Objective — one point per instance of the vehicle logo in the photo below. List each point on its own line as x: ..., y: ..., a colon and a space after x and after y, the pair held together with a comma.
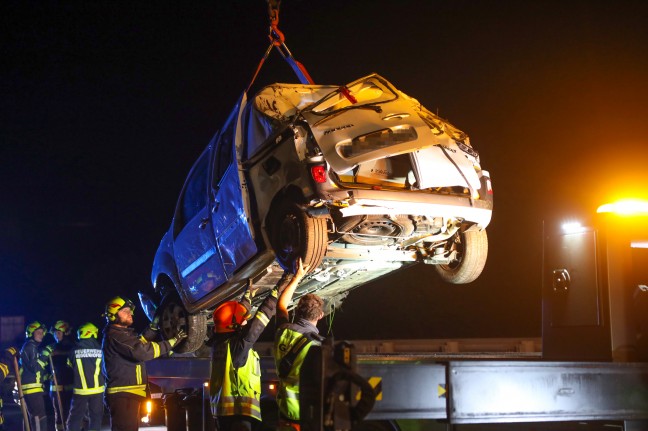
x: 335, y: 129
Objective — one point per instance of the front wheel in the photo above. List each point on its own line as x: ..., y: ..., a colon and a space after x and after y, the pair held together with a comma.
x: 173, y: 317
x: 294, y: 234
x: 471, y: 251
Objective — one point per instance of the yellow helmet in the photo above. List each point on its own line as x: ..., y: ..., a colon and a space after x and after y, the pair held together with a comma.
x: 32, y: 327
x: 229, y: 316
x: 87, y: 330
x: 61, y: 325
x: 114, y: 305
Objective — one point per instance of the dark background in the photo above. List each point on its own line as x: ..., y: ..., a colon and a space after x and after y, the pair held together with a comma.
x: 104, y: 106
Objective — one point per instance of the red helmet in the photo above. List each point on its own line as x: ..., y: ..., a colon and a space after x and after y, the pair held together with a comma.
x: 229, y: 316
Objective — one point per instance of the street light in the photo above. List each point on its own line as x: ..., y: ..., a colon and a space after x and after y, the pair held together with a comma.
x: 573, y: 227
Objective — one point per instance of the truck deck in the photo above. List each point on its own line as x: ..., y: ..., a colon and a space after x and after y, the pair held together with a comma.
x: 465, y: 384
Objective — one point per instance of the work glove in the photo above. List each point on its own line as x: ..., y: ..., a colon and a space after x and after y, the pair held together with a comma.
x: 250, y: 292
x: 47, y: 350
x: 155, y: 323
x: 281, y: 284
x: 181, y: 335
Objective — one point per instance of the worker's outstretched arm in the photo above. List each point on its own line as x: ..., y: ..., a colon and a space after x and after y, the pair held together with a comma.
x: 286, y: 296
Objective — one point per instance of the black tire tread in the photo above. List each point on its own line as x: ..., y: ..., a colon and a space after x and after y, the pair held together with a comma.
x: 472, y: 262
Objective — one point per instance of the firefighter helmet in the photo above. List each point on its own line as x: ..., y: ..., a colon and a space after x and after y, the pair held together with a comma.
x: 32, y: 327
x: 114, y: 305
x: 87, y: 330
x: 61, y: 325
x: 229, y: 316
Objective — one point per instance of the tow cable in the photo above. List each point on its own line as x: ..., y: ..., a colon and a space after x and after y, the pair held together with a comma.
x: 278, y: 40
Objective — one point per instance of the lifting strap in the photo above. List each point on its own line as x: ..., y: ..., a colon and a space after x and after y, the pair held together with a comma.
x: 277, y: 40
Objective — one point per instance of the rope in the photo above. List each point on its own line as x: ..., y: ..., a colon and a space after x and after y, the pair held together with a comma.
x: 278, y: 40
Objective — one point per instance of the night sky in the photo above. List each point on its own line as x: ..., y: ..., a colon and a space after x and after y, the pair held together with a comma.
x: 104, y: 106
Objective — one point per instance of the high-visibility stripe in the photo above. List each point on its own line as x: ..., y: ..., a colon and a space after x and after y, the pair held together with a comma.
x: 41, y: 363
x: 97, y: 372
x: 135, y: 389
x: 81, y: 373
x: 91, y: 391
x: 156, y: 350
x: 138, y: 373
x: 246, y: 406
x: 32, y: 388
x: 262, y: 318
x: 291, y: 394
x: 32, y: 385
x: 4, y: 369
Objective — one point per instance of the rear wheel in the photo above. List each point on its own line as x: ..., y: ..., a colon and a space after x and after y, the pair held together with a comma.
x: 294, y: 234
x: 173, y: 317
x: 470, y: 249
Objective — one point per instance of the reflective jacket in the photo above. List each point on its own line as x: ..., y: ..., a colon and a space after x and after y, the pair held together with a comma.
x: 292, y: 342
x: 32, y: 367
x: 235, y: 381
x: 124, y: 355
x: 5, y: 363
x: 62, y: 370
x: 86, y: 360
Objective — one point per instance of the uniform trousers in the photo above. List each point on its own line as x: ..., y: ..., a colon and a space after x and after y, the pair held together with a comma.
x: 124, y: 411
x: 82, y: 404
x: 35, y: 403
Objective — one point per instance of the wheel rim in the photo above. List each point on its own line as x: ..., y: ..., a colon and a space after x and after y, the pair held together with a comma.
x: 374, y: 232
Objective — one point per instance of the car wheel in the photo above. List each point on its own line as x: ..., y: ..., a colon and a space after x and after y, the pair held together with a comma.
x: 173, y: 317
x: 294, y: 234
x: 471, y: 249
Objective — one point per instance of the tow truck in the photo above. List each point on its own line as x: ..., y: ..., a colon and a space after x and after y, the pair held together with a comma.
x: 588, y: 371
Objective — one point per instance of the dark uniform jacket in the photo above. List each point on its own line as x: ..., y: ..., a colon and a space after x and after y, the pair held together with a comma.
x: 62, y: 370
x: 86, y: 360
x: 6, y: 362
x: 32, y: 367
x: 124, y: 355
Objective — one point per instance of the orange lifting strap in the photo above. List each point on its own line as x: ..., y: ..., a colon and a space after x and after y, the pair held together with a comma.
x: 277, y: 40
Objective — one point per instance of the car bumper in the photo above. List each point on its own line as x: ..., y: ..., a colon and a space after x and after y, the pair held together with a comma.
x: 387, y: 202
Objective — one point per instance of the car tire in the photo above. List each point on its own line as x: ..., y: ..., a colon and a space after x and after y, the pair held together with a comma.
x: 173, y: 317
x: 472, y: 251
x: 295, y: 234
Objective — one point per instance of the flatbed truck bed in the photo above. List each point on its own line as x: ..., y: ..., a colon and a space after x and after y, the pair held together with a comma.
x: 449, y: 387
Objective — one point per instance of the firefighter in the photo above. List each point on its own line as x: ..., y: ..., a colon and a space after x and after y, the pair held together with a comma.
x: 89, y: 383
x: 6, y: 362
x: 292, y: 342
x: 33, y: 363
x: 124, y: 366
x: 235, y: 381
x: 62, y: 377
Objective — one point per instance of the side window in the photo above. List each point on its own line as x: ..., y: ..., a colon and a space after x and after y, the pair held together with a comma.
x: 195, y: 193
x: 224, y: 152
